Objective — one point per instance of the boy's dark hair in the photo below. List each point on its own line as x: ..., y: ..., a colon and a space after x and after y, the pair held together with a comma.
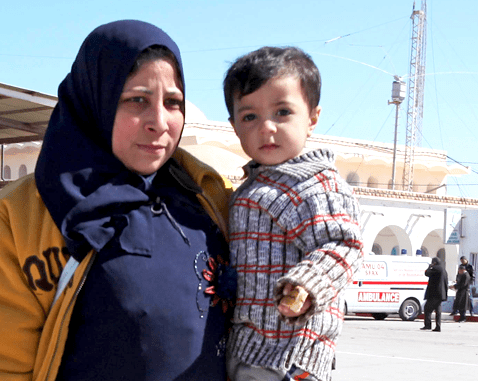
x: 254, y: 69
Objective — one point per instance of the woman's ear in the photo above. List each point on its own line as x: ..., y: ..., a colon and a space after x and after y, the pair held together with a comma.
x: 314, y: 118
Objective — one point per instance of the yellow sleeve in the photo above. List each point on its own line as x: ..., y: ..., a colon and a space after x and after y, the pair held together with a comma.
x: 21, y: 313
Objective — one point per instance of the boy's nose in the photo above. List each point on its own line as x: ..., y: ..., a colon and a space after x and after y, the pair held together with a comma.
x: 269, y: 126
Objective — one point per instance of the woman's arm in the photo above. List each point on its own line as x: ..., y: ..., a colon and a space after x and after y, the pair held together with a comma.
x: 21, y: 314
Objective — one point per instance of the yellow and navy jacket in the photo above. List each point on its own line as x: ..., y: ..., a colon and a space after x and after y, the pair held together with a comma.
x: 33, y: 254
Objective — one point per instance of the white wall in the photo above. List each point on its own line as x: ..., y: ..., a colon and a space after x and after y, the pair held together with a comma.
x: 408, y: 224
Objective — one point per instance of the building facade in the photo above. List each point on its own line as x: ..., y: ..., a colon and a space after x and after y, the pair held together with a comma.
x: 394, y: 222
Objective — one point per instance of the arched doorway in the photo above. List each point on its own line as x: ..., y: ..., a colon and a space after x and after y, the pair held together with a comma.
x: 392, y: 240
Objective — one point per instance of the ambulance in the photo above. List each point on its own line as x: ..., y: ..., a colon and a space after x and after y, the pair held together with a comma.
x: 389, y: 284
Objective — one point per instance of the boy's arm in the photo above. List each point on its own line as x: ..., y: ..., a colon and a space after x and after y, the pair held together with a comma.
x: 326, y: 229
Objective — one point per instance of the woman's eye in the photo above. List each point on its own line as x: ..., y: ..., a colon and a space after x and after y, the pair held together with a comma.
x: 249, y: 117
x: 283, y: 112
x: 136, y: 100
x: 173, y: 102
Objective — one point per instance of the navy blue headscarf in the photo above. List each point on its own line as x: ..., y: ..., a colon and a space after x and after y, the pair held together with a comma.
x: 81, y: 182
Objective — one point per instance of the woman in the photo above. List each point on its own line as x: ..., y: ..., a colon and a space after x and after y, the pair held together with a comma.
x: 144, y: 220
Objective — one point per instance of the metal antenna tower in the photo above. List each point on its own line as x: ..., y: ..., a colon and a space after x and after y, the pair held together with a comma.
x: 416, y: 87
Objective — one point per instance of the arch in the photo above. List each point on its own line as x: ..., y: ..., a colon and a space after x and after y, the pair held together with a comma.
x: 353, y: 179
x: 22, y: 171
x: 377, y: 249
x: 7, y: 172
x: 392, y: 239
x: 372, y: 182
x: 432, y: 243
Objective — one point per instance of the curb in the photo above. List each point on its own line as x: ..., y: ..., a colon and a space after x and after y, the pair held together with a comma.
x: 446, y: 316
x: 468, y: 318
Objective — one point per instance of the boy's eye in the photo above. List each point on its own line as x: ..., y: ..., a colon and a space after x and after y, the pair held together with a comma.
x: 249, y: 117
x: 283, y: 112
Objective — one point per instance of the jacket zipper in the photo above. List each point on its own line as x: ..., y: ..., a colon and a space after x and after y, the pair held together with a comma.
x: 72, y: 302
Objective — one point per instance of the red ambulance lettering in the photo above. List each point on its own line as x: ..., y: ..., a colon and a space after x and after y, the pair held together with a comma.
x: 379, y: 297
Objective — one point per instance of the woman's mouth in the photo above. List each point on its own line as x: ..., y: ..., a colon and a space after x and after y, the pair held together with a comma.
x: 150, y: 148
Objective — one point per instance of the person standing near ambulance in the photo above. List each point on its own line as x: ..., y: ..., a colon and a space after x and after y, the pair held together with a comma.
x: 462, y: 288
x: 435, y: 294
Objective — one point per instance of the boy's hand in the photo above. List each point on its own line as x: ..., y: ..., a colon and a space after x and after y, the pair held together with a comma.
x: 295, y: 302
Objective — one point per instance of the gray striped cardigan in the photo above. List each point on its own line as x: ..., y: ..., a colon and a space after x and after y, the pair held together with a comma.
x: 296, y: 222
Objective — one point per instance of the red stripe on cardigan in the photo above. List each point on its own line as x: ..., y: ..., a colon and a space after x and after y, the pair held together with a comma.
x: 263, y: 268
x: 303, y: 332
x: 292, y: 194
x: 257, y: 236
x: 320, y: 218
x: 246, y: 203
x: 293, y: 233
x: 255, y: 302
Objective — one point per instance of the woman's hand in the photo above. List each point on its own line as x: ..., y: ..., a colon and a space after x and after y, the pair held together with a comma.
x: 295, y: 302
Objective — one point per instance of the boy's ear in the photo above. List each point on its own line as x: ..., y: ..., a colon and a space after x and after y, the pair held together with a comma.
x: 314, y: 118
x: 231, y: 120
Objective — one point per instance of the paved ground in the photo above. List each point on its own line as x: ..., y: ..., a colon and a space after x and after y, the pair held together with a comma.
x: 396, y: 350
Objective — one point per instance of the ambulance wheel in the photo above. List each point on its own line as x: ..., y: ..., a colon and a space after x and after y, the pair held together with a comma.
x: 409, y: 310
x: 379, y: 316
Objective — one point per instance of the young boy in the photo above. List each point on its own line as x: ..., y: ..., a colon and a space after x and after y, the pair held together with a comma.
x: 294, y: 237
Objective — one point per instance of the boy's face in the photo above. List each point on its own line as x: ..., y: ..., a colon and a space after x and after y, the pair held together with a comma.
x: 274, y: 122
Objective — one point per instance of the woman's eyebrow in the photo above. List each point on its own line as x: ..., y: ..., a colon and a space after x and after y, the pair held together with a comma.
x: 138, y: 89
x: 174, y: 92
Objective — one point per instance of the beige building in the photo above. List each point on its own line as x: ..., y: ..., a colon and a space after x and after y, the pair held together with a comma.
x: 393, y: 221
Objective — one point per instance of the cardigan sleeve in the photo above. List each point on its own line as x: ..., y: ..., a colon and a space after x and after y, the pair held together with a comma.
x: 325, y: 228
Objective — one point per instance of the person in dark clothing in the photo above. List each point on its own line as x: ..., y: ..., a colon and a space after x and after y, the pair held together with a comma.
x: 471, y: 272
x: 435, y: 294
x: 139, y: 224
x: 469, y: 269
x: 462, y: 288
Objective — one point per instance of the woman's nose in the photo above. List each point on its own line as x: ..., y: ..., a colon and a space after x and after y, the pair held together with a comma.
x: 156, y: 118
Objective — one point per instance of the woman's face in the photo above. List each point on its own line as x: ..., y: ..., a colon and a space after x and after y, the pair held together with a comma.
x: 149, y: 118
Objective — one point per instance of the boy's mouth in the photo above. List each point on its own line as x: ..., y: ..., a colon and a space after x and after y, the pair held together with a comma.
x: 269, y: 146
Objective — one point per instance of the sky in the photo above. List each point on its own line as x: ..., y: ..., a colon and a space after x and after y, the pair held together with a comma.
x: 358, y: 47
